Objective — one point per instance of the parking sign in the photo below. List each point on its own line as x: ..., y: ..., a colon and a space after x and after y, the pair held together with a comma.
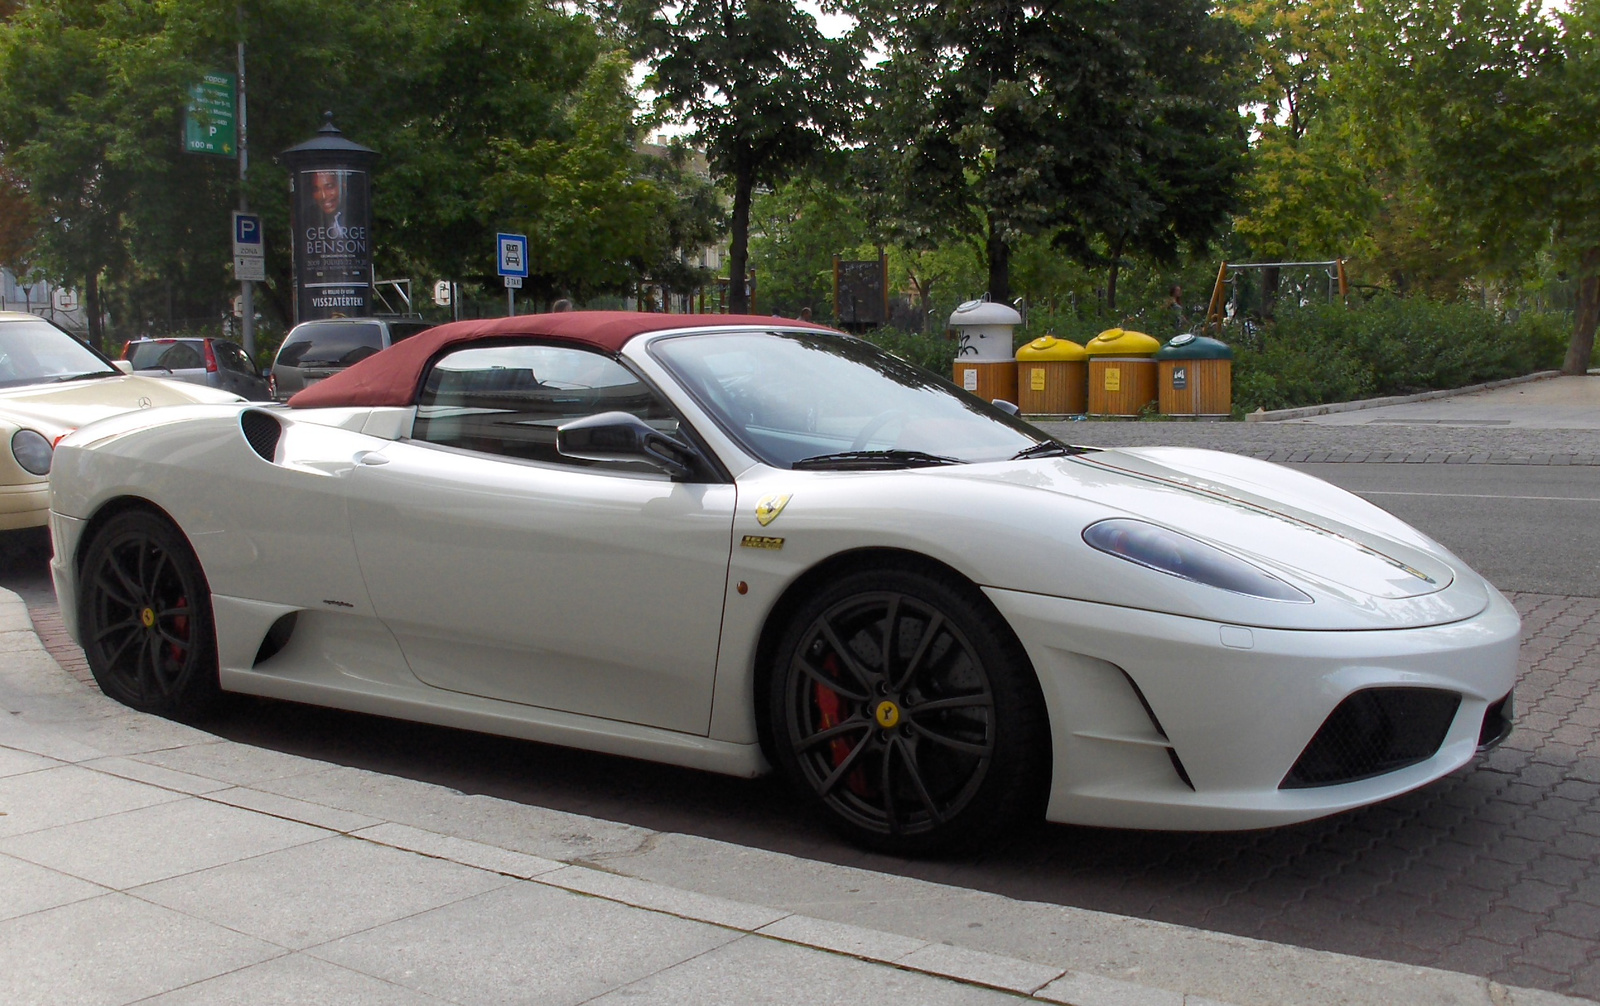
x: 513, y: 254
x: 249, y: 254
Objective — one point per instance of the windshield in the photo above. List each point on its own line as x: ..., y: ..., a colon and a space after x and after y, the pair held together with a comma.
x: 37, y: 352
x: 807, y: 398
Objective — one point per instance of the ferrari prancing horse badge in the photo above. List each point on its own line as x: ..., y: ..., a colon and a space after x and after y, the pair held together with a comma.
x: 769, y: 507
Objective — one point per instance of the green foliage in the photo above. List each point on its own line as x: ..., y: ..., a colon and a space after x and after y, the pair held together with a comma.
x: 1390, y: 346
x: 767, y: 91
x: 1069, y: 120
x: 800, y: 226
x: 935, y: 351
x: 486, y: 115
x: 1503, y: 95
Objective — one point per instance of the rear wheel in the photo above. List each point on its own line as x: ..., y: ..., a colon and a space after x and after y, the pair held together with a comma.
x: 144, y: 617
x: 901, y: 704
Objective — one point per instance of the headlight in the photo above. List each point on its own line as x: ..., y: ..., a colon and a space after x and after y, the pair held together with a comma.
x: 32, y: 451
x: 1170, y: 552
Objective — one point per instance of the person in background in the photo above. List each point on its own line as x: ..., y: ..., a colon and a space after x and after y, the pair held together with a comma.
x: 805, y: 314
x: 561, y: 305
x: 1175, y: 307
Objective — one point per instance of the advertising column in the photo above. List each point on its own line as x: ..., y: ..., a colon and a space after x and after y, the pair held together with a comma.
x: 330, y: 213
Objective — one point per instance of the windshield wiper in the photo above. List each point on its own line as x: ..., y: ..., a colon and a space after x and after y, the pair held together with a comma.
x: 1046, y: 449
x: 880, y: 460
x: 90, y: 376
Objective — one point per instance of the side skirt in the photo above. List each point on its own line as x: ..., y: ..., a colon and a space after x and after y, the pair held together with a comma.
x: 469, y: 712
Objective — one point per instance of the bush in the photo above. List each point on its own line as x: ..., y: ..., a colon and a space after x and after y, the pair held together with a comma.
x: 1391, y: 346
x: 930, y: 352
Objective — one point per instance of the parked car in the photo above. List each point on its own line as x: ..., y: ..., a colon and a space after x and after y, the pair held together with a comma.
x: 736, y: 542
x: 314, y: 350
x: 215, y: 363
x: 51, y: 384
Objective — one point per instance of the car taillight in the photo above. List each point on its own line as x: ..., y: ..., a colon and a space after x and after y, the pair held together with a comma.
x: 127, y: 347
x: 211, y: 358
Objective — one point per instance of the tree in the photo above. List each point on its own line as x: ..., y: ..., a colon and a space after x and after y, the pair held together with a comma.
x: 599, y: 216
x: 91, y: 96
x: 18, y: 222
x: 766, y: 91
x: 1074, y: 118
x: 1504, y: 96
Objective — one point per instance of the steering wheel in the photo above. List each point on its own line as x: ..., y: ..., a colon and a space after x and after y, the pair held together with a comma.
x: 875, y: 424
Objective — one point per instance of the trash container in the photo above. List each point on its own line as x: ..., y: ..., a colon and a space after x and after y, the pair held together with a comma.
x: 1052, y: 377
x: 1122, y: 372
x: 984, y: 364
x: 1196, y: 377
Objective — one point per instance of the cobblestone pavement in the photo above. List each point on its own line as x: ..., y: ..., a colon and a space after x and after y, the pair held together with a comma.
x: 1294, y: 442
x: 1494, y: 871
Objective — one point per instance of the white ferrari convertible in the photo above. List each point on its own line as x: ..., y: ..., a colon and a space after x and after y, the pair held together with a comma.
x: 734, y: 542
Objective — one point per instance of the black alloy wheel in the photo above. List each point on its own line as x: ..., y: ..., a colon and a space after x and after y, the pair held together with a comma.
x: 904, y: 707
x: 144, y: 617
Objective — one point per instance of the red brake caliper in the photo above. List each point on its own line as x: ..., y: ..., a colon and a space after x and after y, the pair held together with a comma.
x: 832, y: 715
x: 180, y: 626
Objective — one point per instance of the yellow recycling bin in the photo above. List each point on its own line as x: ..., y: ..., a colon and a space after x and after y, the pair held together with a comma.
x: 1052, y: 376
x: 1122, y: 372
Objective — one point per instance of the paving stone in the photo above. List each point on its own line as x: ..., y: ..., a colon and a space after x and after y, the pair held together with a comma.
x: 64, y: 795
x: 741, y: 973
x: 293, y: 980
x: 26, y: 888
x: 1556, y: 953
x: 153, y: 843
x: 524, y: 943
x: 13, y: 762
x: 314, y: 893
x: 115, y: 949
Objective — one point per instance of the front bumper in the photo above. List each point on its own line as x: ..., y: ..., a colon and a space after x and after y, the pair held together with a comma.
x: 24, y: 506
x: 1166, y: 722
x: 65, y: 534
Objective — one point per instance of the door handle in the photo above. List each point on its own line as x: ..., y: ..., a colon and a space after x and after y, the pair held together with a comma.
x: 370, y: 458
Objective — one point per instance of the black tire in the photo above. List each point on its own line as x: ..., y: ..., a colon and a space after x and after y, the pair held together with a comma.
x: 144, y: 617
x: 946, y: 749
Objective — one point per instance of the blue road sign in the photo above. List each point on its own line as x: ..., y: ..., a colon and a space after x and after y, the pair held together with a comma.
x: 246, y: 229
x: 513, y: 255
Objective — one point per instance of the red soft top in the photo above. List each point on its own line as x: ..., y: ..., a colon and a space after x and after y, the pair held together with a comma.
x: 393, y: 376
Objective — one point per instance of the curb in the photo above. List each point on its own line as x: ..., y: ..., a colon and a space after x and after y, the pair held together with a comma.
x: 1306, y: 412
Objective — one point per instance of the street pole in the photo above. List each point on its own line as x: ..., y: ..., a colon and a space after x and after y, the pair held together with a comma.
x: 247, y: 289
x: 511, y: 302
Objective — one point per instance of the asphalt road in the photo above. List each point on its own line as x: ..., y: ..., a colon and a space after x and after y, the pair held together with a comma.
x: 1494, y: 871
x: 1524, y: 527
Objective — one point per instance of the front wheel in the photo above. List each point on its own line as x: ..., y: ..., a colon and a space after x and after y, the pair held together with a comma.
x: 144, y: 617
x: 903, y: 707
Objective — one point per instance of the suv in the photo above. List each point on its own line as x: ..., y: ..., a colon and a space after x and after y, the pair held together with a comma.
x: 316, y: 349
x: 215, y: 363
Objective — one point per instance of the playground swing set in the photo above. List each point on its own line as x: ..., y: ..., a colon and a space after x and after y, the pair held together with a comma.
x: 1225, y: 295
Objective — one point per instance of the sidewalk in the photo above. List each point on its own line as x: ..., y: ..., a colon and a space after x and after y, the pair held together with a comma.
x: 146, y: 861
x: 1550, y: 421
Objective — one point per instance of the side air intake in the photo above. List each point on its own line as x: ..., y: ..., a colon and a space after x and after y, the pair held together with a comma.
x: 261, y: 431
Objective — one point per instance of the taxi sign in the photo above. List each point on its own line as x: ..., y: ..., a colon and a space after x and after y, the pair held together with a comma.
x: 513, y: 257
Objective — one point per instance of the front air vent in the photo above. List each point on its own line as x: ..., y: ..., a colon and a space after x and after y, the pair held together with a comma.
x: 1375, y: 731
x: 262, y: 431
x: 1172, y: 752
x: 1497, y: 722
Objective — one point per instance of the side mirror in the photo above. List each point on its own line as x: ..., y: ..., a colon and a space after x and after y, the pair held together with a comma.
x: 1009, y: 408
x: 623, y: 436
x: 126, y: 366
